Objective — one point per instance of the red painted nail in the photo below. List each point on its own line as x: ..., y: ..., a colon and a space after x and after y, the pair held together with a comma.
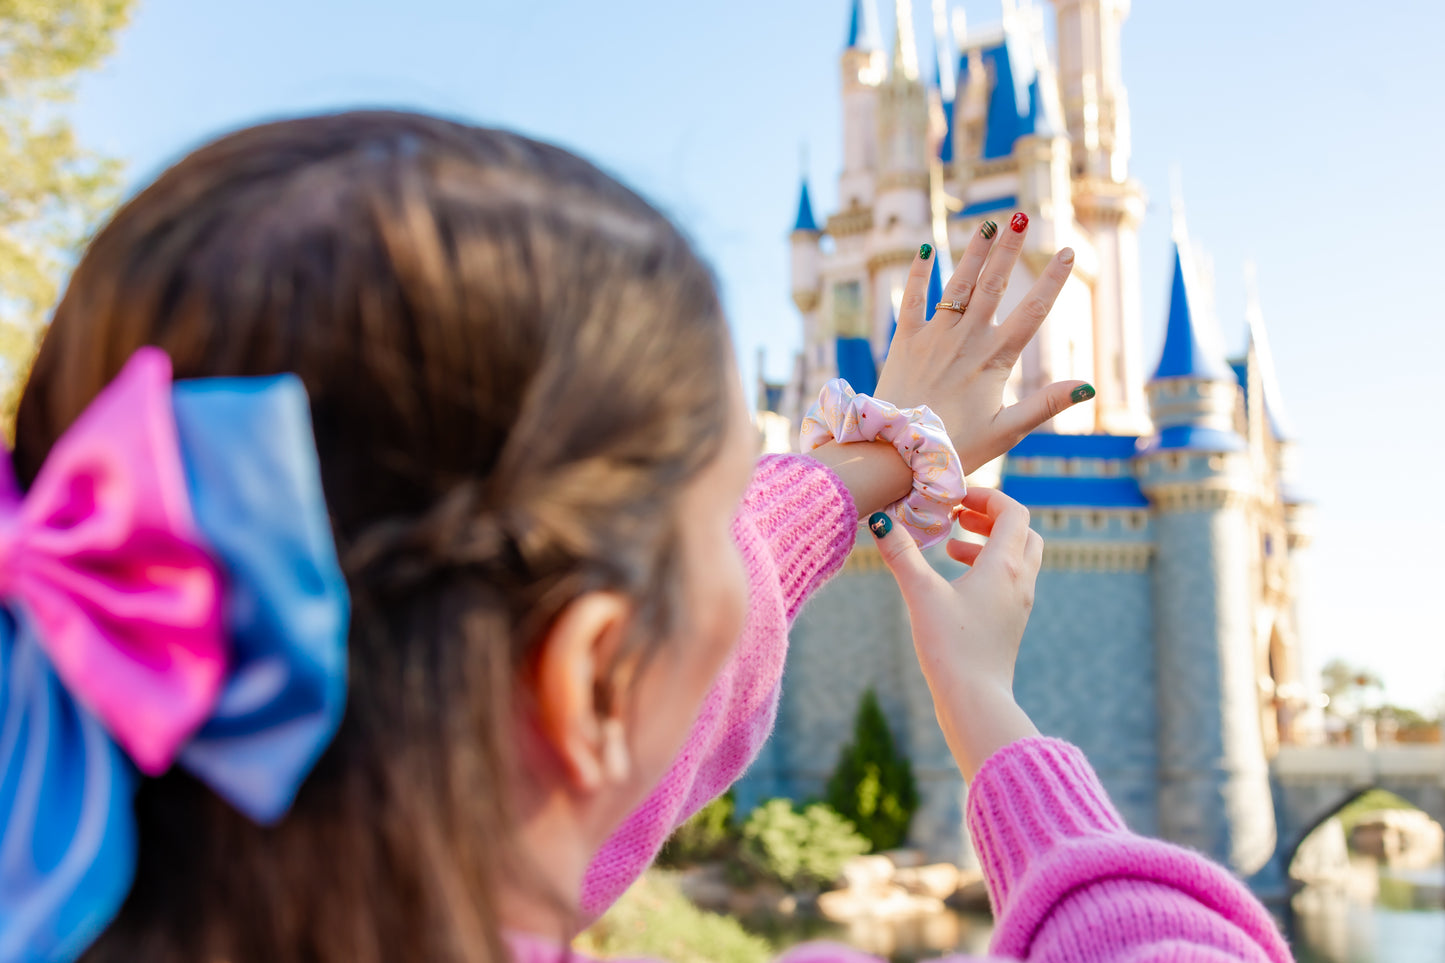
x: 1019, y: 222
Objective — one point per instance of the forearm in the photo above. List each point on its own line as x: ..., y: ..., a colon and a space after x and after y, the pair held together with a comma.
x: 872, y: 471
x: 978, y: 719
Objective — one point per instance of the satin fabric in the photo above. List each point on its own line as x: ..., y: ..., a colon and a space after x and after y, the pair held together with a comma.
x: 169, y: 590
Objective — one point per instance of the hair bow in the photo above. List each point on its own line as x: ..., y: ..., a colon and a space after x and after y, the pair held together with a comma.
x: 169, y: 594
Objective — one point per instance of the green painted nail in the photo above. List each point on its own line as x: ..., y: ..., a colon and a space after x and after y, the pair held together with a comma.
x: 988, y: 230
x: 879, y: 523
x: 1082, y: 393
x: 926, y: 251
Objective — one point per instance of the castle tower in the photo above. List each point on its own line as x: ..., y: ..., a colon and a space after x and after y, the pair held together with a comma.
x: 1195, y: 469
x: 1108, y: 204
x: 862, y: 71
x: 815, y: 360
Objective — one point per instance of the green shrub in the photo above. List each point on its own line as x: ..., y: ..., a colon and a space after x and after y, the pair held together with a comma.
x: 800, y: 849
x: 873, y: 786
x: 654, y: 920
x: 709, y: 834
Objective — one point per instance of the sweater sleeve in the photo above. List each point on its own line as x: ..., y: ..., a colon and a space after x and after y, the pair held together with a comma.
x: 795, y: 527
x: 1068, y: 881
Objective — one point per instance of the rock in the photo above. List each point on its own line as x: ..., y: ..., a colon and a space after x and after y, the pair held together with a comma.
x: 1399, y: 837
x: 893, y: 902
x: 767, y: 897
x: 972, y: 892
x: 938, y: 880
x: 868, y: 874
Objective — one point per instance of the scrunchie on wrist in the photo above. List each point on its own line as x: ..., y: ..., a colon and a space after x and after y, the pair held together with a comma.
x: 920, y: 438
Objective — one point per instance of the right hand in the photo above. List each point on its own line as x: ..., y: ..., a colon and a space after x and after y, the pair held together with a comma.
x: 967, y: 632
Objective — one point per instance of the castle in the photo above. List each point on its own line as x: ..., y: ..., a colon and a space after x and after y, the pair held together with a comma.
x: 1164, y: 639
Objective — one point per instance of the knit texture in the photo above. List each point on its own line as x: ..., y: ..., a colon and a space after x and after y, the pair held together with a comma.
x: 795, y: 528
x: 1069, y: 883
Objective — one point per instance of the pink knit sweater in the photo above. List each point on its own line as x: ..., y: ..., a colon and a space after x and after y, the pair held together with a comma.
x: 1067, y: 880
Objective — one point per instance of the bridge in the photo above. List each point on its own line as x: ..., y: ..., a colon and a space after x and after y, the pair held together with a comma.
x: 1312, y: 783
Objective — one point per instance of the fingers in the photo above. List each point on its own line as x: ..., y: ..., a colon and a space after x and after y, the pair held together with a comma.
x: 902, y: 556
x: 1010, y: 520
x: 913, y: 310
x: 1023, y: 322
x: 961, y: 551
x: 965, y: 275
x: 994, y: 280
x: 1018, y: 420
x: 1034, y: 554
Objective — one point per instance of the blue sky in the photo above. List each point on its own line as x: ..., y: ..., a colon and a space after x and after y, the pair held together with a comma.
x: 1310, y: 138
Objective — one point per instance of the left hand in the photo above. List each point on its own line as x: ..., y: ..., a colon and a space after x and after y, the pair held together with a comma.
x: 958, y: 363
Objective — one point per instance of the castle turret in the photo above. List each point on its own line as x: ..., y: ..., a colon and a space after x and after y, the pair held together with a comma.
x: 1108, y: 204
x: 806, y: 257
x: 863, y: 70
x: 1214, y: 792
x: 816, y: 362
x: 903, y: 211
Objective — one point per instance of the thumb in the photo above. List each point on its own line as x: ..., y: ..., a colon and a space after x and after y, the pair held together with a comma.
x: 1020, y: 419
x: 901, y: 554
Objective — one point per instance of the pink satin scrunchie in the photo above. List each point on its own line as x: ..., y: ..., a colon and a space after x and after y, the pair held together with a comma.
x: 920, y: 438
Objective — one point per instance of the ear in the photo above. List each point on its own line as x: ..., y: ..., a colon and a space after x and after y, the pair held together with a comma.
x: 572, y: 664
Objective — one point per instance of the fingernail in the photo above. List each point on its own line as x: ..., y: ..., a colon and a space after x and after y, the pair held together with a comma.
x: 1066, y: 256
x: 926, y: 251
x: 1019, y: 222
x: 1081, y: 393
x: 988, y: 230
x: 880, y: 524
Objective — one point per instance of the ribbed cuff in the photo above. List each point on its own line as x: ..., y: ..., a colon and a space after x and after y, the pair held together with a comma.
x: 808, y: 519
x: 1029, y: 798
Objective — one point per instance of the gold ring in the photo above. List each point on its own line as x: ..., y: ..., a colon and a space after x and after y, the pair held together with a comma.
x: 955, y: 305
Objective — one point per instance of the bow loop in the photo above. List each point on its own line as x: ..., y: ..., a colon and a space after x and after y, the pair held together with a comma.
x: 102, y: 555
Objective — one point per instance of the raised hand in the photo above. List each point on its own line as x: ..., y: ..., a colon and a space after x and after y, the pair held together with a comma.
x: 959, y: 363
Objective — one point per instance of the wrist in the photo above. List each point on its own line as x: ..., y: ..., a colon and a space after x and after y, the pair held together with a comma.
x: 872, y: 471
x: 920, y: 441
x: 978, y: 718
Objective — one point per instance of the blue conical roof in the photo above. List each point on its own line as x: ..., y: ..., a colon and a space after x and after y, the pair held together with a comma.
x: 805, y: 221
x: 1186, y: 354
x: 863, y: 26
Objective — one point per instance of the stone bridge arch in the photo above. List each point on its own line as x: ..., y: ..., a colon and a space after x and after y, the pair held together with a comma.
x: 1311, y: 784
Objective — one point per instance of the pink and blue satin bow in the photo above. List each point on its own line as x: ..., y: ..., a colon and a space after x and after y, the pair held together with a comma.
x: 169, y: 595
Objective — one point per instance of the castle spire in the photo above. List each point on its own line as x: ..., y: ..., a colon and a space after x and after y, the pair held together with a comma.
x: 805, y: 220
x: 863, y: 26
x: 945, y: 54
x: 1190, y: 351
x: 905, y: 45
x: 1274, y: 412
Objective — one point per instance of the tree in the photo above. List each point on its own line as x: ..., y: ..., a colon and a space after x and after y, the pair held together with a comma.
x: 52, y: 191
x: 872, y: 786
x: 1346, y: 684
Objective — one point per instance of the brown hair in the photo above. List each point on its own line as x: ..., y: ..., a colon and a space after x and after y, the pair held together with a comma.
x: 514, y: 363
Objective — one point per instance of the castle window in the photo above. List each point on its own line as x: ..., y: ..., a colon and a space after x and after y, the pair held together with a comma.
x: 1268, y: 545
x: 1175, y: 462
x: 1097, y: 521
x: 1134, y: 521
x: 1216, y: 462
